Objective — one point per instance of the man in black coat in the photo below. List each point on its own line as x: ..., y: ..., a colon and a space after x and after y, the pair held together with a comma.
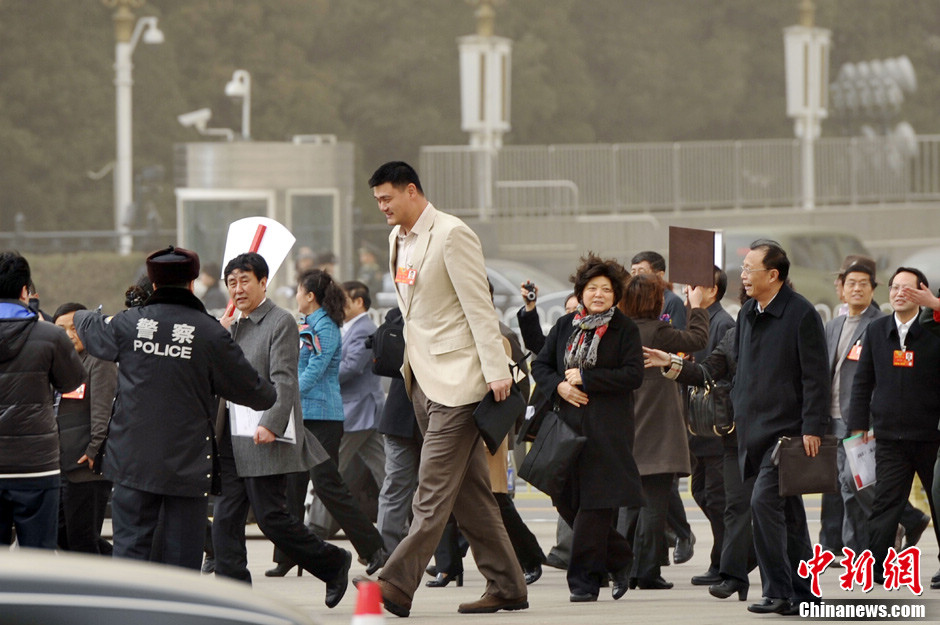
x: 35, y: 358
x: 174, y: 359
x: 781, y: 389
x: 896, y: 384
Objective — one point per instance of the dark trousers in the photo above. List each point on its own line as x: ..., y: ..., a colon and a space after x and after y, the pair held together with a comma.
x: 708, y: 491
x: 738, y: 558
x: 596, y: 547
x: 649, y: 536
x: 135, y: 515
x: 330, y: 488
x: 832, y: 512
x: 896, y: 462
x: 31, y: 505
x: 524, y: 542
x: 447, y: 556
x: 781, y: 536
x: 267, y: 496
x: 82, y: 510
x: 675, y: 515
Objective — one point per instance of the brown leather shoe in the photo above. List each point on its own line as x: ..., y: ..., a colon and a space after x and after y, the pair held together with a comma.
x: 491, y: 603
x: 394, y: 600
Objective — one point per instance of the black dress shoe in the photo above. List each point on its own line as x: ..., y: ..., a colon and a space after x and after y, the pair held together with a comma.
x: 377, y: 560
x: 936, y: 576
x: 685, y: 549
x: 581, y: 597
x: 282, y: 569
x: 443, y: 579
x: 728, y: 587
x: 208, y: 567
x: 532, y: 575
x: 621, y: 581
x: 431, y: 570
x: 655, y: 583
x: 710, y: 577
x: 336, y: 587
x: 912, y: 536
x: 771, y: 606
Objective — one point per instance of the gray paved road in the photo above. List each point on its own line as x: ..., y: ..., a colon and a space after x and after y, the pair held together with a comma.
x: 548, y: 597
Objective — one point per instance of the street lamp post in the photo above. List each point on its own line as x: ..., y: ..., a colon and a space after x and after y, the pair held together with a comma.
x: 127, y: 33
x: 807, y: 69
x: 240, y: 87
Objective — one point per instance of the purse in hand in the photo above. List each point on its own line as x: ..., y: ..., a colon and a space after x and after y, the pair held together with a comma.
x: 710, y: 411
x: 799, y: 474
x: 548, y: 464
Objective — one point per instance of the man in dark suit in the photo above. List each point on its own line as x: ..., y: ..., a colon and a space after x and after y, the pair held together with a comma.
x: 781, y: 389
x: 707, y: 481
x: 895, y: 390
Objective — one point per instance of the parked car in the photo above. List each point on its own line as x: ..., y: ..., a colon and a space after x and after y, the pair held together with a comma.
x: 506, y: 276
x: 928, y: 261
x: 815, y: 254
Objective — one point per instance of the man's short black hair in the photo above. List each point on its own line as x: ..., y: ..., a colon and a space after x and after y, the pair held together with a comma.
x: 655, y: 259
x: 14, y: 275
x: 921, y: 278
x: 399, y: 173
x: 358, y: 290
x: 67, y: 308
x: 774, y: 257
x: 249, y: 261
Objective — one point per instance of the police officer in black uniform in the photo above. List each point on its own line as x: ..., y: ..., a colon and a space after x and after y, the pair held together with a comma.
x: 174, y: 359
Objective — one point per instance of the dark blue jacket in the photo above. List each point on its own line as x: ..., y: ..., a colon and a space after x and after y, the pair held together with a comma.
x: 904, y: 402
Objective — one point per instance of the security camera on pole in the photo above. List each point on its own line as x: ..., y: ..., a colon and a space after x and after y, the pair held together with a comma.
x: 806, y: 49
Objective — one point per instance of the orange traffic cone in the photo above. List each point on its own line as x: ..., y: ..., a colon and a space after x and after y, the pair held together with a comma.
x: 369, y: 605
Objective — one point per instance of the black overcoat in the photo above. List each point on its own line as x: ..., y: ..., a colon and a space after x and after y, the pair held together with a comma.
x: 606, y: 474
x: 782, y: 383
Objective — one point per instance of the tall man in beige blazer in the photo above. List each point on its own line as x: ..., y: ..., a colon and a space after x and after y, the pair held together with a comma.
x: 453, y: 357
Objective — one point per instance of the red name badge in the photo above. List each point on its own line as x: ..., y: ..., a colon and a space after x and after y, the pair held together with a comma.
x: 405, y: 276
x: 78, y: 393
x: 855, y: 352
x: 903, y: 358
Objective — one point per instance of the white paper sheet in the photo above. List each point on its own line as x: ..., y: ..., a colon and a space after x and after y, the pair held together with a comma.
x: 861, y: 457
x: 245, y: 421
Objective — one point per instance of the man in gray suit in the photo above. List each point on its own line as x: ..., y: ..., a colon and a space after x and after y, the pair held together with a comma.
x: 255, y: 466
x: 844, y: 515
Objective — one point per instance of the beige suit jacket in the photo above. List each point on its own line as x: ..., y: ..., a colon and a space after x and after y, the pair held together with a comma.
x: 453, y: 346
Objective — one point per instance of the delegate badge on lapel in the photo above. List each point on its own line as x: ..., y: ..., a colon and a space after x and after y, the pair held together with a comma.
x: 903, y: 358
x: 855, y: 352
x: 78, y: 393
x: 406, y: 276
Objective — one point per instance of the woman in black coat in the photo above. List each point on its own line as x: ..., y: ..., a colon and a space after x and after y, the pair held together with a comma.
x: 593, y: 360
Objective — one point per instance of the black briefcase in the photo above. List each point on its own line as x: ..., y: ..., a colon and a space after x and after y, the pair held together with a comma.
x: 548, y: 464
x: 494, y: 418
x: 799, y: 474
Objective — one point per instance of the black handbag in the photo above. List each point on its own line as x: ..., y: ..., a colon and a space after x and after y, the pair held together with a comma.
x: 799, y: 474
x: 710, y: 411
x: 388, y: 347
x: 548, y: 464
x: 495, y: 419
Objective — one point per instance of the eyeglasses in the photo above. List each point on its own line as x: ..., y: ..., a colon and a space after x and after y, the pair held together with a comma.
x: 851, y: 284
x: 749, y: 271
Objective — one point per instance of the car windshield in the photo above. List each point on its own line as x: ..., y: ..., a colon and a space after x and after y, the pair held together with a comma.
x: 517, y: 274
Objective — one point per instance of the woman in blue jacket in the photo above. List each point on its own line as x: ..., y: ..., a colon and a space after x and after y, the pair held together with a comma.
x: 322, y: 302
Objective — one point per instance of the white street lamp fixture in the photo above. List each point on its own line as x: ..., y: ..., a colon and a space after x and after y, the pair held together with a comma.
x: 240, y: 87
x: 127, y: 33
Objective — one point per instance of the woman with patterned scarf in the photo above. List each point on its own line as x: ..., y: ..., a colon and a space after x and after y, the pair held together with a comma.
x: 593, y: 360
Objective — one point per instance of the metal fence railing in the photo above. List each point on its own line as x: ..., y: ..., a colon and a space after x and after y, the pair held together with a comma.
x: 532, y: 181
